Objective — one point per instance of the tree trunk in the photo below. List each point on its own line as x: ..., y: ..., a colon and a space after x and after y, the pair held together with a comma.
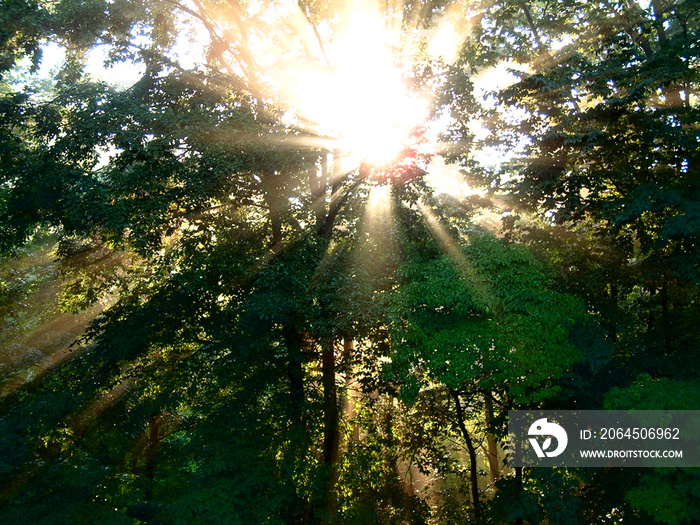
x: 492, y: 455
x: 331, y: 435
x: 330, y: 404
x: 474, y: 474
x: 350, y: 393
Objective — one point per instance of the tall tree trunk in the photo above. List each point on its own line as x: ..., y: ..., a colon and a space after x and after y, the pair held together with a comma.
x: 350, y: 393
x: 330, y: 404
x: 331, y: 434
x: 473, y: 472
x: 492, y: 455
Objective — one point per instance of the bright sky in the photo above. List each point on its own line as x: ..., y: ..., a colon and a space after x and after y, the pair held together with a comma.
x: 120, y: 75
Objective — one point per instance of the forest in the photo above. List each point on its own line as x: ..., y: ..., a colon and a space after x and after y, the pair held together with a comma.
x: 293, y: 261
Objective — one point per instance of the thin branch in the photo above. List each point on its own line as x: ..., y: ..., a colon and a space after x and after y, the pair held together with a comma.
x: 318, y: 35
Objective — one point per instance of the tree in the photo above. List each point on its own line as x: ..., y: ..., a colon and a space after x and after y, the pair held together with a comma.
x: 485, y: 326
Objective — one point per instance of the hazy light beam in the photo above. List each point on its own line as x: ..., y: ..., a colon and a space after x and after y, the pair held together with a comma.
x: 450, y: 248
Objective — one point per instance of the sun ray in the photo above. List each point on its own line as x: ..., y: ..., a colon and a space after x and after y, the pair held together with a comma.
x: 374, y: 255
x: 378, y: 203
x: 453, y: 252
x: 89, y: 415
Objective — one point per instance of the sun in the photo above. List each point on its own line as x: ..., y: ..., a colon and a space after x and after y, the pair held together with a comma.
x: 361, y: 99
x: 378, y: 128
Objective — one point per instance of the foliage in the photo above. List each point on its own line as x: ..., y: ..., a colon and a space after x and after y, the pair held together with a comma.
x: 271, y: 342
